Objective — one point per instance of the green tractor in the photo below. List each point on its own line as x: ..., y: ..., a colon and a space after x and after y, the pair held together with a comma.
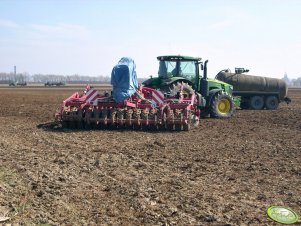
x: 182, y: 73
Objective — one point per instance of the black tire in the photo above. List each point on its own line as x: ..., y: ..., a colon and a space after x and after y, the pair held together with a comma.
x: 87, y: 126
x: 205, y: 113
x: 65, y: 124
x: 271, y: 103
x: 72, y: 124
x: 222, y: 106
x: 257, y: 103
x: 80, y: 124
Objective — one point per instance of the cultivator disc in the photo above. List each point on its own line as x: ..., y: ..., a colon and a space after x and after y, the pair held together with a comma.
x: 147, y: 110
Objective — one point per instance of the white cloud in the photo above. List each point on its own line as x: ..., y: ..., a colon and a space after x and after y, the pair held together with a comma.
x: 61, y: 30
x: 8, y: 23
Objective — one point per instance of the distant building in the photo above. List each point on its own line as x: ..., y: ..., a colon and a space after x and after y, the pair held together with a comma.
x: 285, y: 78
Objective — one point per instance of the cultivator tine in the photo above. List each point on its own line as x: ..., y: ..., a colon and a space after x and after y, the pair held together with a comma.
x: 153, y: 118
x: 186, y: 125
x: 96, y: 118
x: 104, y: 118
x: 162, y: 121
x: 144, y: 118
x: 178, y: 114
x: 137, y: 119
x: 120, y: 118
x: 113, y: 119
x: 129, y: 116
x: 170, y: 119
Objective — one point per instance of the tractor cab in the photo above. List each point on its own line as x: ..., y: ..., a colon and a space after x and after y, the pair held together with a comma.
x: 176, y: 68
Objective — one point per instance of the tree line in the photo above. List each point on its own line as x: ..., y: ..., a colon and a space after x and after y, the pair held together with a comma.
x: 292, y: 82
x: 6, y: 78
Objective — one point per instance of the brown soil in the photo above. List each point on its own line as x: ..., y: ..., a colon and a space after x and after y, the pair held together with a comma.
x: 225, y: 172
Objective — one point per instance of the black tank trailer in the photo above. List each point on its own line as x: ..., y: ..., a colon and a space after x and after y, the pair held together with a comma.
x: 256, y: 92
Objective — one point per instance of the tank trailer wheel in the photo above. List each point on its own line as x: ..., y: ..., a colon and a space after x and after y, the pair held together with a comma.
x: 271, y: 103
x: 222, y: 106
x: 256, y: 102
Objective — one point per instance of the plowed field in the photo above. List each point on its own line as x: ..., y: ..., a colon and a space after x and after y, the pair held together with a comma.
x: 225, y: 172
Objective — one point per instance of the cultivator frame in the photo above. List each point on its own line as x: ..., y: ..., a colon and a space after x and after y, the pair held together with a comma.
x: 147, y: 109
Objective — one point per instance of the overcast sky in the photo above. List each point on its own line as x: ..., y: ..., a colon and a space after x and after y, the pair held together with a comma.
x: 89, y: 37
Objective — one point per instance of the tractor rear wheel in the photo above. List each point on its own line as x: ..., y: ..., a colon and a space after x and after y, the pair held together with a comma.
x: 183, y: 87
x: 222, y: 106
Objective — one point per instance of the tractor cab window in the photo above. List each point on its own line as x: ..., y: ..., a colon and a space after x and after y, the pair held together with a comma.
x: 185, y: 69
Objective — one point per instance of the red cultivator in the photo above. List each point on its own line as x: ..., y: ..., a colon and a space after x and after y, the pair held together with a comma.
x: 146, y: 109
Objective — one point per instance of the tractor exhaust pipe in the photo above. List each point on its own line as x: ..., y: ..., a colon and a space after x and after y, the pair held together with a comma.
x: 205, y: 70
x: 204, y: 82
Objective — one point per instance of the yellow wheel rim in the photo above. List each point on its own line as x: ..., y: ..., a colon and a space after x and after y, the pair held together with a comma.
x: 224, y: 106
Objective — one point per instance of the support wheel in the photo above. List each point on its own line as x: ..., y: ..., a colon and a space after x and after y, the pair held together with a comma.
x: 222, y: 106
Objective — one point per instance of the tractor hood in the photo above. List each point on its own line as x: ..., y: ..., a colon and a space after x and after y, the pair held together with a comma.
x: 216, y: 84
x: 217, y: 81
x: 158, y: 82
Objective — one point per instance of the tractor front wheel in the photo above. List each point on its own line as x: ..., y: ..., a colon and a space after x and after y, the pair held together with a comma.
x: 222, y: 106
